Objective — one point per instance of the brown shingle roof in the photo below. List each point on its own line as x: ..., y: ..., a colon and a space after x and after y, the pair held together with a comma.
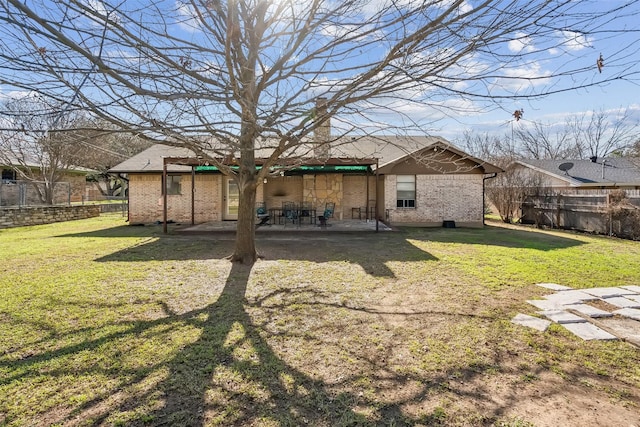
x: 387, y: 149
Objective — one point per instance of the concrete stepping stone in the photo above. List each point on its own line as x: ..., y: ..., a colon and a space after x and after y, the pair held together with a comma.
x: 588, y: 331
x: 634, y: 297
x: 544, y: 304
x: 554, y: 286
x: 570, y: 297
x: 633, y: 288
x: 531, y: 322
x: 607, y: 292
x: 632, y: 313
x: 588, y: 310
x: 562, y: 317
x: 622, y: 302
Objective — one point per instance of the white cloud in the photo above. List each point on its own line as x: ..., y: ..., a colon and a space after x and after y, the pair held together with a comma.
x: 187, y: 17
x: 528, y: 76
x: 16, y: 94
x: 521, y: 43
x: 574, y: 41
x: 102, y: 12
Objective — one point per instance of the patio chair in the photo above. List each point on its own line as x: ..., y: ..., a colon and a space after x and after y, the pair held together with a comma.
x: 262, y: 214
x: 328, y: 213
x: 305, y: 211
x: 290, y: 213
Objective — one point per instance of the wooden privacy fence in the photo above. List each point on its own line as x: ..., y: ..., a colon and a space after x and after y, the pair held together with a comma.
x: 610, y: 212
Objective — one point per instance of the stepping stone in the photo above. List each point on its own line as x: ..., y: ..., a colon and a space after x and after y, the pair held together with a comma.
x: 554, y: 286
x: 632, y: 313
x: 531, y: 322
x: 570, y: 297
x: 544, y: 304
x: 588, y: 310
x: 633, y: 297
x: 607, y: 292
x: 633, y: 288
x: 588, y: 331
x: 562, y: 317
x: 622, y: 302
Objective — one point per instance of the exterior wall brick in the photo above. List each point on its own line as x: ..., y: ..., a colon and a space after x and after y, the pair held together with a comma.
x: 439, y: 198
x: 355, y: 193
x: 145, y: 199
x: 283, y: 189
x: 36, y: 215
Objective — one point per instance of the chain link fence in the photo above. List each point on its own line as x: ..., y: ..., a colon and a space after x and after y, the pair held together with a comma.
x: 27, y: 193
x: 31, y: 193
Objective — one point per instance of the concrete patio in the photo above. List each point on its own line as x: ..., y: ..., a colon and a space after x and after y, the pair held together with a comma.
x: 353, y: 225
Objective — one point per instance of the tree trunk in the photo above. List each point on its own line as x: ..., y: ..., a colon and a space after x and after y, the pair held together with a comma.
x: 245, y: 247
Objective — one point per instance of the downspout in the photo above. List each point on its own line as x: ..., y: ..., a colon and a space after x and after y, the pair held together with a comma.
x: 493, y: 175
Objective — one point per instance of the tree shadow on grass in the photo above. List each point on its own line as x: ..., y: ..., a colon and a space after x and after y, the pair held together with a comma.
x: 495, y: 235
x: 231, y: 373
x: 371, y: 251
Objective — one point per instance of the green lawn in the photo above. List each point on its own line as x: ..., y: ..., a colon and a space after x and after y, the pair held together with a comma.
x: 106, y: 324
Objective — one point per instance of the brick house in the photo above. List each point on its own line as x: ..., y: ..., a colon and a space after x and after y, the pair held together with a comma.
x: 415, y: 181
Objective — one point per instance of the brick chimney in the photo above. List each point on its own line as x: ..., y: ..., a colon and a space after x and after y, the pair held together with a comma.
x: 322, y: 134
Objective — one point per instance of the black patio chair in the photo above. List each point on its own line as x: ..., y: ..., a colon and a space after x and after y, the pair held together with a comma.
x: 328, y: 213
x: 290, y: 213
x: 262, y: 214
x: 305, y: 211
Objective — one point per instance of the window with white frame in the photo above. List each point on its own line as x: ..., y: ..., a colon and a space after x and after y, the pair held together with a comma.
x: 173, y: 184
x: 406, y: 191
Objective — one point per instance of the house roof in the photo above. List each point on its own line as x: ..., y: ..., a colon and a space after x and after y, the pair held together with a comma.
x: 8, y: 159
x: 385, y: 150
x: 586, y: 173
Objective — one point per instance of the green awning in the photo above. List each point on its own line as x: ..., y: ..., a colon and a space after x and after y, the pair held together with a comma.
x: 333, y: 168
x: 314, y: 168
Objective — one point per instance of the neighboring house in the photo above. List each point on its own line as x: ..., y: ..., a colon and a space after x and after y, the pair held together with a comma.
x: 15, y: 191
x: 417, y: 181
x: 608, y: 173
x: 583, y: 194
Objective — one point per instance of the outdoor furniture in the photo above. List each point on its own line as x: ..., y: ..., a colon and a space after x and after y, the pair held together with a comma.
x: 307, y: 211
x: 328, y: 213
x: 262, y: 215
x: 290, y: 213
x: 276, y: 215
x: 363, y: 211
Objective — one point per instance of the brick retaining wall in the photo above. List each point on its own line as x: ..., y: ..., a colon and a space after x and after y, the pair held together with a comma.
x: 18, y: 217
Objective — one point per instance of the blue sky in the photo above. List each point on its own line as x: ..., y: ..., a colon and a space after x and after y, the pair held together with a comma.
x: 542, y: 56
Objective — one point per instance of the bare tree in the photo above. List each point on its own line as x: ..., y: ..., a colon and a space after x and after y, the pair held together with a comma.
x: 508, y: 191
x: 41, y: 151
x: 246, y: 73
x: 600, y: 133
x: 590, y: 134
x: 539, y: 141
x: 99, y: 146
